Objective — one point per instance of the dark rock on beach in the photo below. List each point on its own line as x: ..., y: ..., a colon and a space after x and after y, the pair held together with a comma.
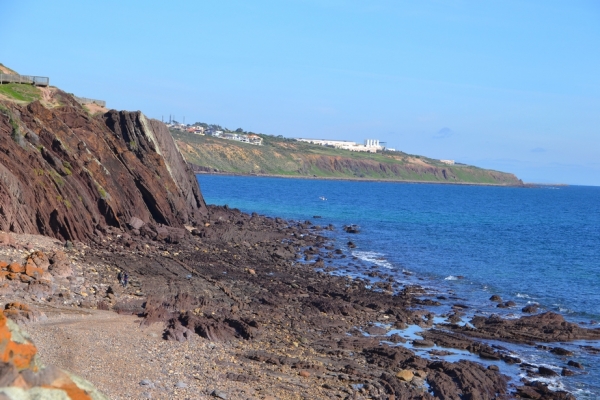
x: 575, y: 364
x: 540, y: 390
x: 530, y: 309
x: 546, y: 327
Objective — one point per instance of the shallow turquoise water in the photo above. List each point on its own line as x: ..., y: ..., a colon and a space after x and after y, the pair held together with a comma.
x: 528, y: 245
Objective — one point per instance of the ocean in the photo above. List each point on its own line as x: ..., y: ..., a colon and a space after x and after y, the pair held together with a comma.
x: 528, y: 245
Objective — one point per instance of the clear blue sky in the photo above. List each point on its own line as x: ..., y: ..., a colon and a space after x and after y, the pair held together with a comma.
x: 509, y: 85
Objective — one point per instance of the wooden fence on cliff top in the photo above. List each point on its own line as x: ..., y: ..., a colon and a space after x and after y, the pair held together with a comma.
x: 42, y: 81
x: 25, y: 79
x: 85, y: 100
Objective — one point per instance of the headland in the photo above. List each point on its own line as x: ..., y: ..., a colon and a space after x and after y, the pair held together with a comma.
x: 218, y: 303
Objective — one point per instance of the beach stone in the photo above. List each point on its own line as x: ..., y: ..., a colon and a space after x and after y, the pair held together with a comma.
x: 421, y: 374
x: 304, y: 374
x: 401, y: 325
x: 33, y: 271
x: 561, y: 352
x: 530, y: 309
x: 181, y: 385
x: 528, y: 392
x: 544, y: 371
x: 496, y: 298
x: 418, y: 382
x: 575, y: 364
x: 566, y: 372
x: 6, y: 238
x: 16, y: 268
x: 61, y: 270
x: 135, y: 223
x: 39, y: 259
x: 423, y: 343
x: 219, y: 394
x: 40, y: 290
x: 507, y: 304
x: 405, y: 375
x: 376, y: 330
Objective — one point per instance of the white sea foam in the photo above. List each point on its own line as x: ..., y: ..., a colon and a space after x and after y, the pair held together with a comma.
x: 451, y: 278
x: 523, y: 296
x: 373, y: 257
x: 553, y: 383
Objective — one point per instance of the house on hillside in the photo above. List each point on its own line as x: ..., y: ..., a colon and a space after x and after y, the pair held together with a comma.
x: 198, y: 130
x: 255, y: 139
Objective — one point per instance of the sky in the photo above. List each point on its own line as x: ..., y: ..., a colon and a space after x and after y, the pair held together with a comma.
x: 507, y: 85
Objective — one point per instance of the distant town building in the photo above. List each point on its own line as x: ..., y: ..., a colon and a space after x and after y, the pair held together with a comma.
x: 449, y: 162
x: 255, y: 139
x: 198, y: 130
x: 370, y: 146
x: 371, y: 143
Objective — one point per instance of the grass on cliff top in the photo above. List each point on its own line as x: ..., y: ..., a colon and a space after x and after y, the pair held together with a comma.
x: 20, y: 92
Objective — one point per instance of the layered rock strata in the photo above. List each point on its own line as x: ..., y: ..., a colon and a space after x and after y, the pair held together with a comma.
x: 64, y: 173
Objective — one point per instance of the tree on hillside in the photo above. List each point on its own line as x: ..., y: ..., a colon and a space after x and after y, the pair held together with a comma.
x: 239, y: 130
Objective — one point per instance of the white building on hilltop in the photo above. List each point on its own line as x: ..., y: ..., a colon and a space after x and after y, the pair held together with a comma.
x: 372, y: 143
x: 370, y: 146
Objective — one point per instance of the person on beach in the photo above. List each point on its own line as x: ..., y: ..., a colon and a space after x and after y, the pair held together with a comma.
x: 125, y: 279
x: 120, y: 277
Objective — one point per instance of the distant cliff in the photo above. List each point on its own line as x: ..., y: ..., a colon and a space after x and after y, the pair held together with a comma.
x: 64, y: 171
x: 291, y: 158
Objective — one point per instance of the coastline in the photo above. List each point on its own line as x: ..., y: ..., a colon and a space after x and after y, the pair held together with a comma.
x: 276, y: 317
x: 525, y: 185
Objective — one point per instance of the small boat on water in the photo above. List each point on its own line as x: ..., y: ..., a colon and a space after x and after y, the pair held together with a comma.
x: 323, y: 198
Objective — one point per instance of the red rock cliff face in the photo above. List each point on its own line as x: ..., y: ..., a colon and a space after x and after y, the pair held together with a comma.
x: 63, y: 172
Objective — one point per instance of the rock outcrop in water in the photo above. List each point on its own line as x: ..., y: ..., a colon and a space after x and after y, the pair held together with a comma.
x: 65, y: 173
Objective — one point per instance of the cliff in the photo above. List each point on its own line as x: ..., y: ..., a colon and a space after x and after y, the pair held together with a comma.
x: 287, y: 157
x: 64, y: 172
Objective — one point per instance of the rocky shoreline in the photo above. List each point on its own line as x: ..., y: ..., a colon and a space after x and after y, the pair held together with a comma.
x: 254, y: 287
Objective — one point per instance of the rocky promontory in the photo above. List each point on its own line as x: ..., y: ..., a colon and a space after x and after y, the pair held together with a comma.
x: 64, y: 172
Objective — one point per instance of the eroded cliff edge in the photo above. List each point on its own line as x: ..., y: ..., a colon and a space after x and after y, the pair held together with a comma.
x: 63, y: 172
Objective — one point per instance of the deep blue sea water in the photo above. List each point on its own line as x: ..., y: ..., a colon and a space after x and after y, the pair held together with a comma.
x: 529, y: 245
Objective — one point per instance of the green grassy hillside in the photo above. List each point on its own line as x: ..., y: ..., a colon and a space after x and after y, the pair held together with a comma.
x: 287, y: 157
